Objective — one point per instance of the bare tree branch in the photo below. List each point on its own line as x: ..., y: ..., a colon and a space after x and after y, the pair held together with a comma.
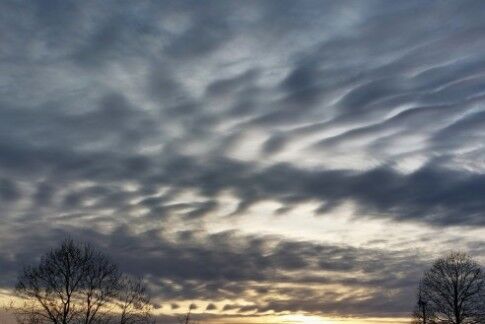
x: 77, y: 284
x: 452, y: 292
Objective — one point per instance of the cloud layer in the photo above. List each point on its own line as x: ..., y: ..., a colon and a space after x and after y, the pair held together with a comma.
x: 162, y: 126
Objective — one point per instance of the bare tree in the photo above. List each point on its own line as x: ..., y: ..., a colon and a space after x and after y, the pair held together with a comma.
x: 187, y: 318
x: 451, y: 292
x: 77, y: 284
x: 422, y: 313
x: 133, y: 302
x: 100, y: 285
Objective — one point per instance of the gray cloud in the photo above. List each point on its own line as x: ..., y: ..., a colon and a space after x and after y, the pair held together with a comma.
x: 216, y: 267
x: 112, y: 113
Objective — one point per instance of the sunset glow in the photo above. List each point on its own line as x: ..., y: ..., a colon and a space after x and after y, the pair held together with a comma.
x: 302, y: 319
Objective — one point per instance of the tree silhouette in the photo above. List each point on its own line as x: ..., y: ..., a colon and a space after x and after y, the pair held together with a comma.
x: 133, y: 301
x: 451, y: 292
x: 187, y: 318
x: 421, y: 313
x: 76, y: 283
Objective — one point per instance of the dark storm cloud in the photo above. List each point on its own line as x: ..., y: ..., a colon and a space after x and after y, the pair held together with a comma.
x: 110, y: 112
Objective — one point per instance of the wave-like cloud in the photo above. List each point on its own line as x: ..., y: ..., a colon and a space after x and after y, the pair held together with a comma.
x: 112, y: 114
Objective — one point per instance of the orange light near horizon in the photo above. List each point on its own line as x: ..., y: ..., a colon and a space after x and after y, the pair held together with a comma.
x: 304, y: 319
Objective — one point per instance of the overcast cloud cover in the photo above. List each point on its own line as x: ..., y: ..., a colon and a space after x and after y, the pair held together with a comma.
x: 250, y: 157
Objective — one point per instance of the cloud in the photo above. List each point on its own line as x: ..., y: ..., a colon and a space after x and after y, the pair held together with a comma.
x: 138, y: 119
x: 217, y: 267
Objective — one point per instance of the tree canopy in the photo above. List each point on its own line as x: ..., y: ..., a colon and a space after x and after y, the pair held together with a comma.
x: 451, y: 292
x: 76, y: 283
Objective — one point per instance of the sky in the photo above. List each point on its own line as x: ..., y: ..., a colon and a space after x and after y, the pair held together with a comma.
x: 262, y: 161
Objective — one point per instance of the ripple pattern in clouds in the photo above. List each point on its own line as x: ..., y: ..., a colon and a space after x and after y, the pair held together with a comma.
x: 170, y: 125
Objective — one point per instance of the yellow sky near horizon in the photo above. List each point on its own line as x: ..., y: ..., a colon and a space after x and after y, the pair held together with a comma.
x: 7, y: 318
x: 312, y: 319
x: 7, y: 300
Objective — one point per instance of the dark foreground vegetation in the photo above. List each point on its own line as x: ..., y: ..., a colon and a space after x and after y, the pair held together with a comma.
x: 452, y: 291
x: 76, y: 283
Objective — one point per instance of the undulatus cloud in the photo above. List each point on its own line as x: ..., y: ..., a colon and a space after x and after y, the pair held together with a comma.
x: 268, y: 162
